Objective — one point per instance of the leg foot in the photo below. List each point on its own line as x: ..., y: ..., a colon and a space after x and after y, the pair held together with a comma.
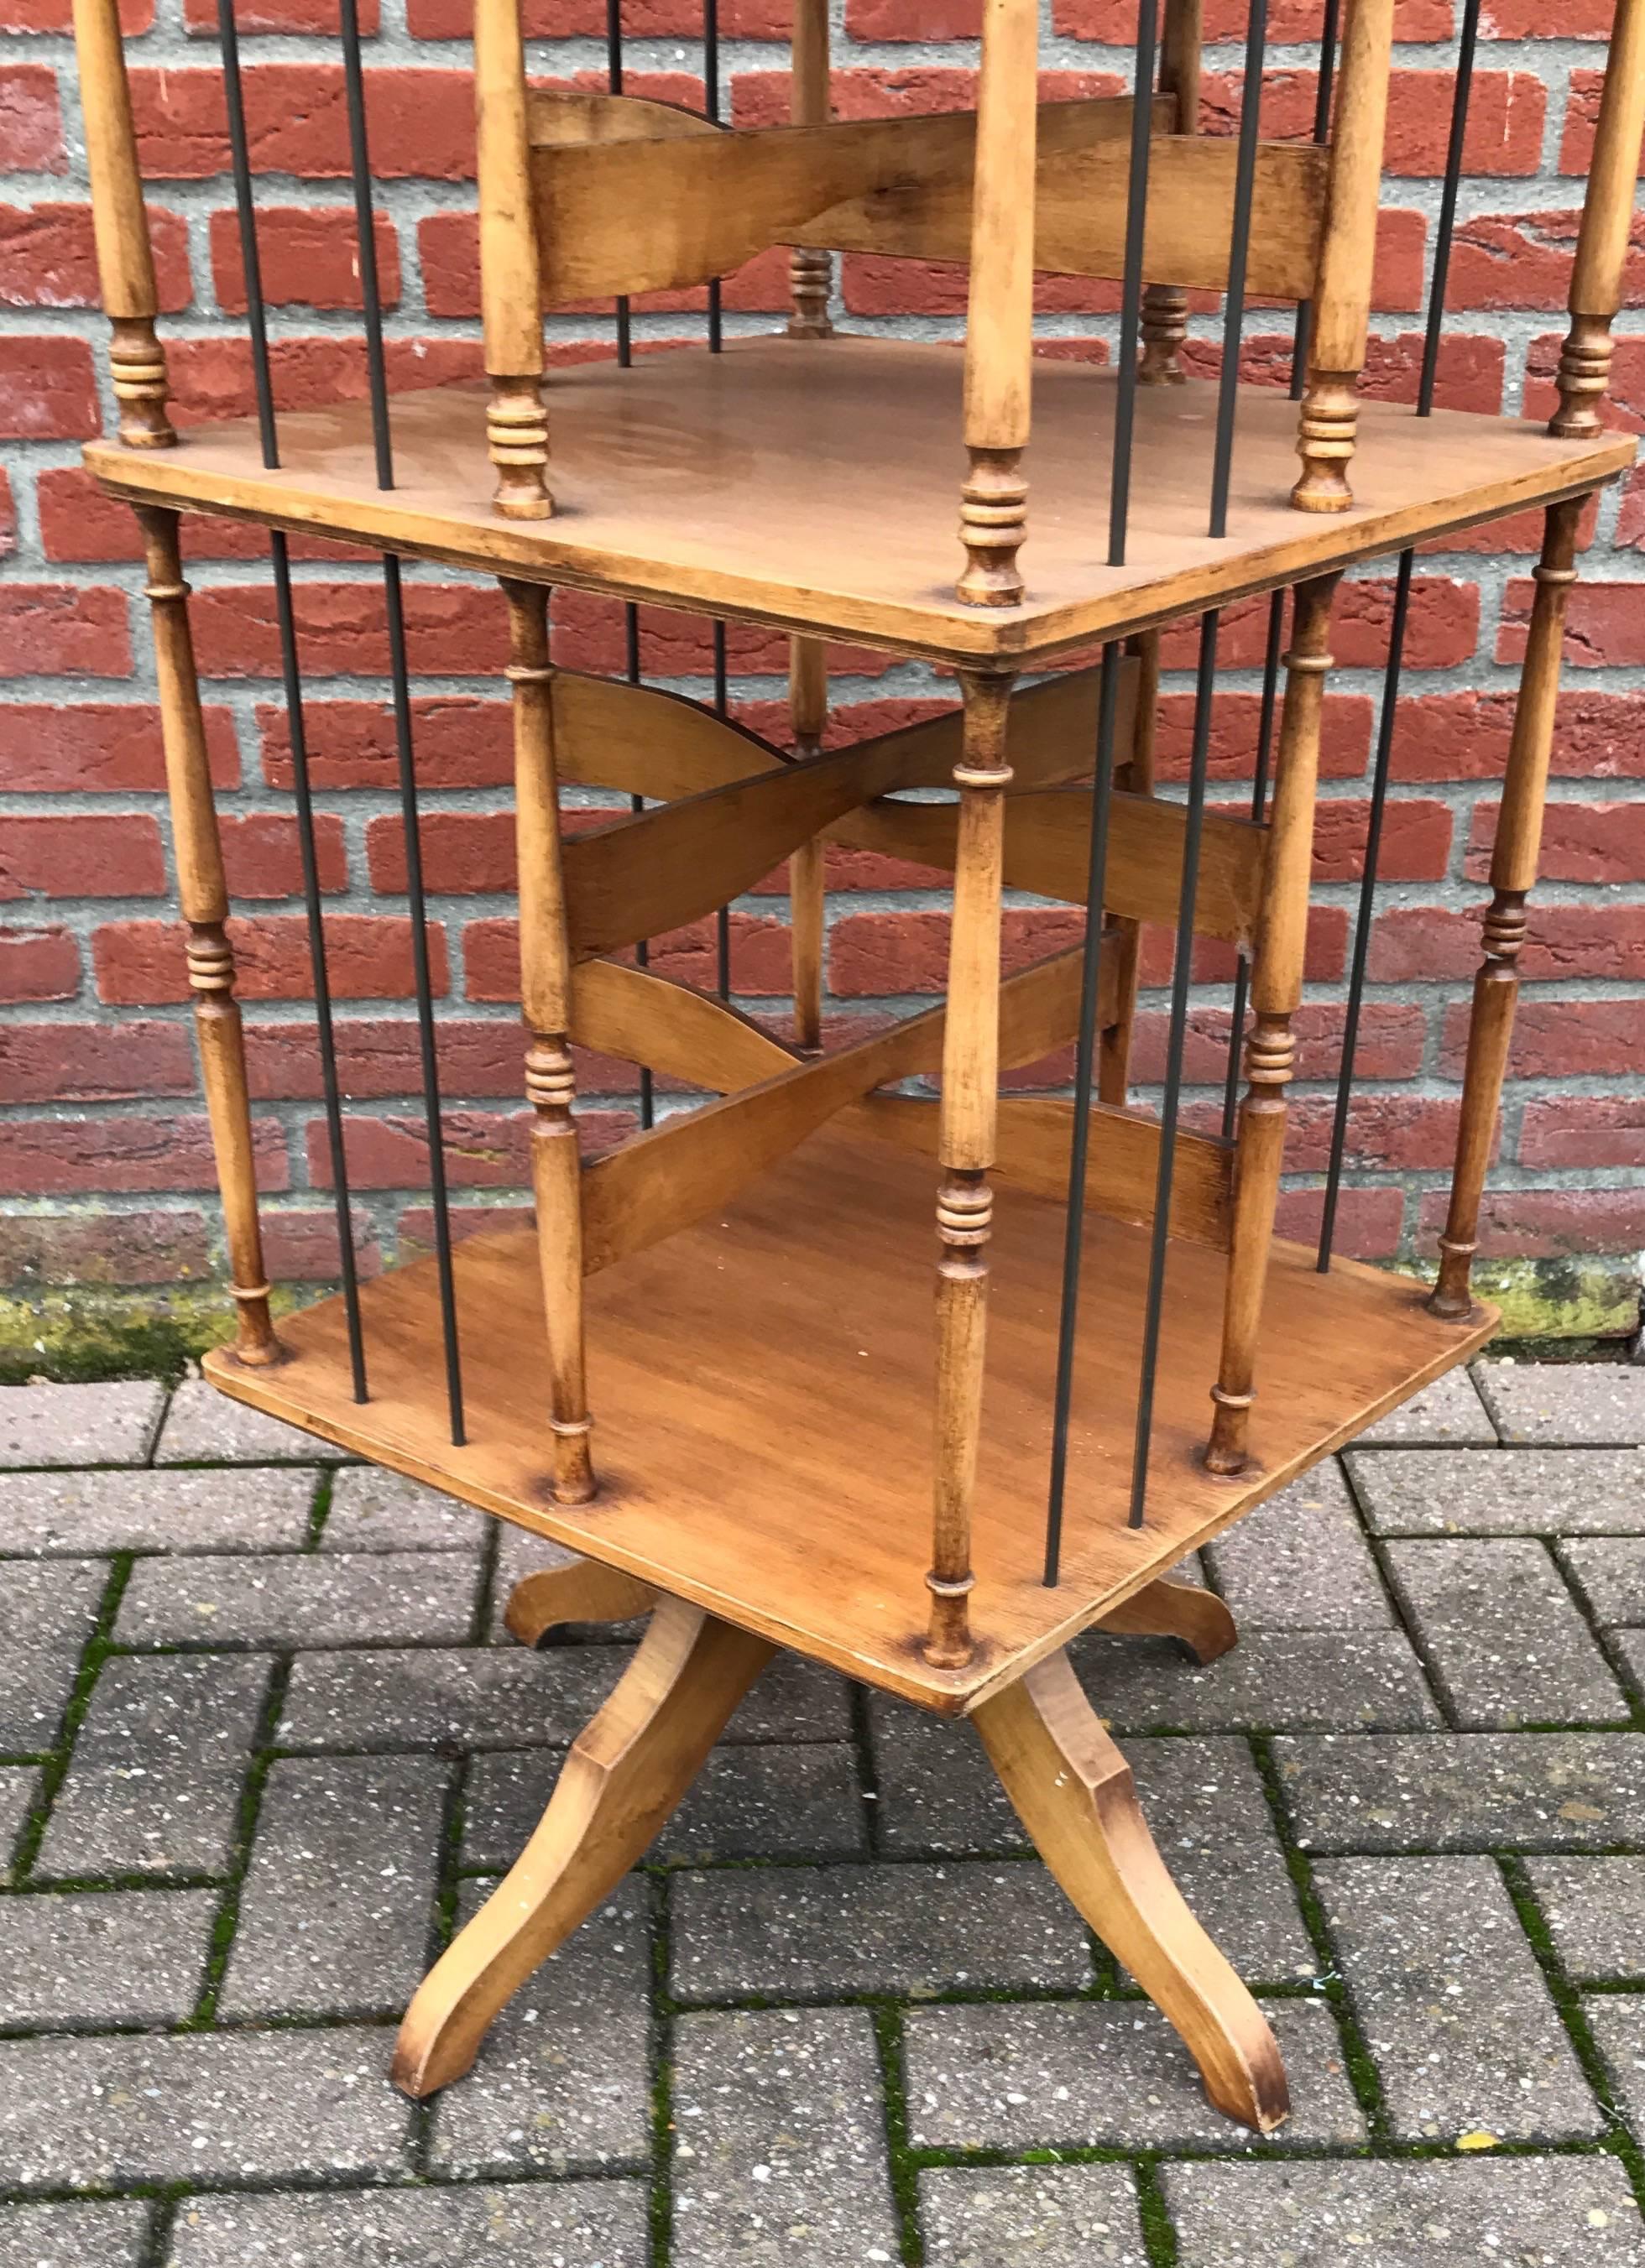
x: 581, y: 1591
x: 1072, y: 1791
x: 626, y: 1773
x: 1180, y: 1611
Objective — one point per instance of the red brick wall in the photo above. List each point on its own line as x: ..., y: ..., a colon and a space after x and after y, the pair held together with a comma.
x: 100, y: 1100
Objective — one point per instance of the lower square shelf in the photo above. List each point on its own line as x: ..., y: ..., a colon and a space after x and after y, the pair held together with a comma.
x: 762, y: 1390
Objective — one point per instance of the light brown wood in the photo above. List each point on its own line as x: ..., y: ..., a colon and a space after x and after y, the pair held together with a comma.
x: 567, y: 117
x: 1276, y: 993
x: 807, y: 708
x: 203, y: 897
x: 581, y: 1591
x: 1342, y: 300
x: 671, y: 1027
x: 739, y: 485
x: 120, y: 224
x: 1123, y: 945
x: 511, y: 284
x: 1162, y: 1608
x: 1602, y: 244
x: 796, y: 1321
x: 1072, y: 1791
x: 1165, y: 306
x: 810, y: 271
x: 623, y: 1776
x: 649, y: 742
x: 545, y: 1003
x: 1513, y: 872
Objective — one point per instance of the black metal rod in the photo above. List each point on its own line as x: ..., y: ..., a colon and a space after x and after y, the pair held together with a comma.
x: 1304, y: 330
x: 1085, y: 1058
x: 1461, y: 94
x: 240, y: 162
x: 1234, y: 298
x: 1181, y: 976
x: 712, y: 109
x: 613, y: 80
x: 364, y: 219
x: 722, y: 708
x: 1130, y: 290
x: 1258, y: 807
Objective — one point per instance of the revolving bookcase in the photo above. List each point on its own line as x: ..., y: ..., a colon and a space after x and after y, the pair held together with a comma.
x: 714, y: 1366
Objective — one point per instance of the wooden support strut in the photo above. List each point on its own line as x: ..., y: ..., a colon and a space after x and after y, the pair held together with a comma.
x: 810, y: 270
x: 511, y: 284
x: 1513, y: 872
x: 807, y: 704
x: 125, y: 259
x: 1165, y: 306
x: 1602, y: 245
x: 204, y: 897
x: 970, y: 1082
x: 545, y: 999
x: 1271, y: 1049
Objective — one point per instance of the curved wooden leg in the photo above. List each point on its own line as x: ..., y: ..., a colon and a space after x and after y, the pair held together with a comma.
x: 626, y: 1773
x: 581, y: 1591
x: 1072, y: 1791
x: 1168, y: 1609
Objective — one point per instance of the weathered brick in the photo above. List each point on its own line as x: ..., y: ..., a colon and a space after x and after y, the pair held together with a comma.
x: 1464, y: 1790
x: 445, y: 1699
x: 47, y: 1616
x: 113, y: 1424
x: 331, y: 1599
x: 113, y: 2234
x: 1298, y: 1680
x: 82, y: 857
x: 1503, y: 1638
x: 103, y: 1957
x: 1474, y: 1492
x: 60, y: 1514
x: 1064, y: 2216
x: 519, y: 2226
x: 1600, y: 1402
x: 202, y: 1426
x: 1448, y: 1411
x: 1594, y: 1911
x: 31, y: 119
x: 1300, y: 1562
x: 372, y: 1510
x: 48, y: 393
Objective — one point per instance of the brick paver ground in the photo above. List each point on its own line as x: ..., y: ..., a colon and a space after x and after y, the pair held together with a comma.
x: 261, y: 1749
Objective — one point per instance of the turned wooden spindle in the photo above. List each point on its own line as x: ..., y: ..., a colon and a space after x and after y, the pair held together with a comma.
x: 1122, y: 936
x: 119, y: 227
x: 1602, y: 245
x: 999, y: 316
x: 203, y: 895
x: 1342, y: 294
x: 808, y: 706
x: 511, y: 283
x: 1276, y: 992
x: 545, y: 1005
x: 965, y: 1149
x: 1513, y: 872
x: 1165, y: 306
x: 810, y: 272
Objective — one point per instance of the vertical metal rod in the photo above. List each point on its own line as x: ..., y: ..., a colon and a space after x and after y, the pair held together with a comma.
x: 1131, y: 297
x: 1365, y: 912
x: 1322, y: 134
x: 1085, y: 1058
x: 291, y: 673
x: 394, y: 607
x: 722, y: 708
x: 1259, y: 806
x: 1182, y: 975
x: 716, y: 340
x: 1234, y: 300
x: 613, y: 80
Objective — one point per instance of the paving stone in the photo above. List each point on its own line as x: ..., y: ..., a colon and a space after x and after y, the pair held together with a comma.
x: 204, y: 1427
x: 243, y: 2106
x: 523, y: 2225
x: 760, y: 1802
x: 1445, y: 1414
x: 19, y: 1784
x: 519, y: 1554
x: 1504, y: 1638
x: 1594, y: 1909
x: 335, y: 1599
x: 112, y: 1424
x: 377, y: 1511
x: 1452, y: 2003
x: 46, y: 1614
x: 264, y: 1509
x: 779, y: 2157
x: 155, y: 1782
x: 794, y: 1700
x: 1274, y: 1680
x: 445, y: 1698
x: 1000, y: 2075
x: 563, y: 2076
x: 1617, y: 2024
x: 1424, y: 2212
x: 111, y: 2235
x: 1610, y: 1573
x: 1502, y: 1491
x: 1058, y: 2216
x: 338, y: 1900
x: 1630, y: 1645
x: 937, y: 1792
x: 1566, y: 1402
x: 101, y: 1957
x: 1301, y: 1561
x: 803, y: 1932
x: 1464, y: 1791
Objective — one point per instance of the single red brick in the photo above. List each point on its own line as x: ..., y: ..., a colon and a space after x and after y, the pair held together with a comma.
x: 43, y: 1157
x: 1214, y: 962
x: 464, y: 851
x: 95, y: 1062
x: 263, y: 858
x: 927, y: 19
x: 342, y: 629
x: 136, y: 15
x: 1545, y: 1224
x: 378, y: 1060
x: 1604, y: 628
x: 874, y: 955
x: 211, y: 377
x: 99, y: 748
x: 1506, y: 109
x: 484, y: 1149
x: 1465, y: 736
x: 1345, y: 734
x: 1630, y: 534
x: 64, y: 855
x: 57, y: 630
x: 1369, y: 1222
x: 1468, y: 375
x: 39, y: 964
x: 1415, y: 845
x: 1441, y: 630
x: 1523, y: 260
x: 1557, y: 1039
x: 295, y: 17
x: 39, y: 1249
x: 47, y: 258
x: 761, y: 955
x: 1529, y: 20
x: 420, y: 123
x: 460, y: 740
x: 1582, y: 117
x: 31, y: 120
x: 308, y: 255
x: 1580, y: 842
x: 1424, y: 944
x: 1390, y: 1043
x: 1585, y: 1130
x: 140, y: 963
x: 1397, y: 1130
x: 47, y: 392
x: 303, y: 1246
x: 642, y: 19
